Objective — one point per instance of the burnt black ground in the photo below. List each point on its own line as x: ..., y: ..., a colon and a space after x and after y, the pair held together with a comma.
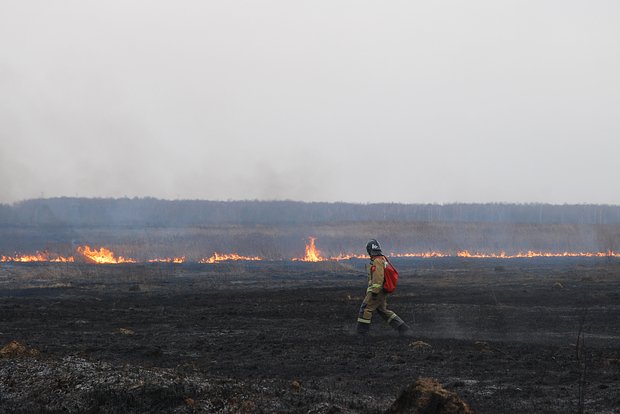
x: 242, y: 337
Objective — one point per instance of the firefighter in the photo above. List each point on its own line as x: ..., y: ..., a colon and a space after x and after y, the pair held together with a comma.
x: 375, y: 299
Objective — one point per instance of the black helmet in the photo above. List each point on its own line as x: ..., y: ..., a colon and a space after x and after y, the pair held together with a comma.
x: 374, y: 248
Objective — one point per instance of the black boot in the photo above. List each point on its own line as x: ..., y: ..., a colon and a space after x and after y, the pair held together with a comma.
x: 404, y: 330
x: 363, y: 328
x: 400, y: 326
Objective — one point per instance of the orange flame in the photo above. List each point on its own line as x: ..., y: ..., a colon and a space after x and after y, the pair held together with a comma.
x: 530, y: 254
x: 37, y: 257
x: 423, y: 255
x: 168, y: 260
x: 344, y: 256
x: 312, y: 253
x: 217, y: 257
x: 102, y: 256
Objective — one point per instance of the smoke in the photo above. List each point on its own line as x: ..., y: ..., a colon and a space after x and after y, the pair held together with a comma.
x: 298, y: 179
x: 10, y: 170
x: 216, y: 101
x: 18, y: 180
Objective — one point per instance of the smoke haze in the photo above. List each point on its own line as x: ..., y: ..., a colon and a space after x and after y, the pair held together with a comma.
x: 478, y: 101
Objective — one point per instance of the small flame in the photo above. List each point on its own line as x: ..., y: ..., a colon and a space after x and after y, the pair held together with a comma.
x: 312, y: 253
x: 102, y: 256
x: 344, y: 256
x: 217, y: 257
x: 423, y: 255
x: 168, y: 260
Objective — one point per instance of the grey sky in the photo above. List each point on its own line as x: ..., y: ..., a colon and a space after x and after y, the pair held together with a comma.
x: 363, y: 101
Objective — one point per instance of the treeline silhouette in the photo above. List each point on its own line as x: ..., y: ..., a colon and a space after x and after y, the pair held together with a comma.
x: 151, y: 212
x: 145, y: 228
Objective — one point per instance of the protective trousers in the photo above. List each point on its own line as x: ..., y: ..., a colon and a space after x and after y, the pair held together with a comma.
x: 377, y: 303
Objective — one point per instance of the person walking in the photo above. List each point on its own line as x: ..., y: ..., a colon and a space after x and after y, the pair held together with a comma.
x: 376, y: 297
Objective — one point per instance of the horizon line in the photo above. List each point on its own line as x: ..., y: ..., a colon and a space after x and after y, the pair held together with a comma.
x: 275, y: 200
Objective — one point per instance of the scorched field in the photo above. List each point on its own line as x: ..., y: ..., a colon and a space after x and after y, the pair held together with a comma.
x: 507, y: 336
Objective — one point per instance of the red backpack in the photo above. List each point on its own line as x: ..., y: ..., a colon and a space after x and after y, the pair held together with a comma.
x: 391, y: 277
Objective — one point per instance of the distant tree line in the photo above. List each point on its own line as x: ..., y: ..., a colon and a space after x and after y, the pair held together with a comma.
x: 151, y: 212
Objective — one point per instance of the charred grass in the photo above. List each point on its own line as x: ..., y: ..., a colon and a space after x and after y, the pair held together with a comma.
x: 280, y: 337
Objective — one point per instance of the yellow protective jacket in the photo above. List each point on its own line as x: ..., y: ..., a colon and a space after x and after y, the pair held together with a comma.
x: 376, y: 274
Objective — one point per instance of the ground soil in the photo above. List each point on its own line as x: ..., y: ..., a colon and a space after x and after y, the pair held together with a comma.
x: 280, y: 337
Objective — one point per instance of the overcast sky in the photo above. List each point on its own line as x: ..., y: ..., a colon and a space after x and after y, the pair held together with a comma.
x: 361, y: 101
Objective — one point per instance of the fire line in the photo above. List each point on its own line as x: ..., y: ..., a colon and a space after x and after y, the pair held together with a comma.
x: 37, y: 257
x: 218, y: 257
x: 104, y: 255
